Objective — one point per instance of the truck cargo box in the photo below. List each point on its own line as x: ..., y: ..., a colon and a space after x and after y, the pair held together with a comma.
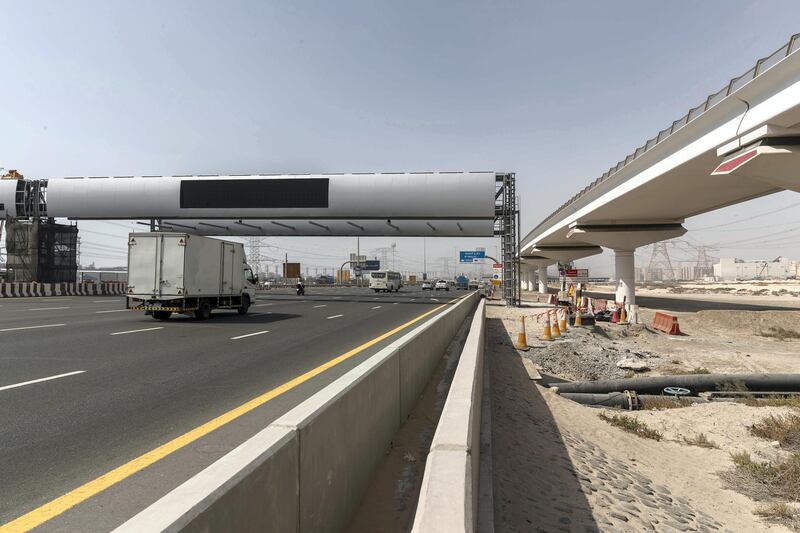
x: 165, y: 265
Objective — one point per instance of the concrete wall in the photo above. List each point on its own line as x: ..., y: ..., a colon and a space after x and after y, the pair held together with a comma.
x: 449, y: 495
x: 308, y: 470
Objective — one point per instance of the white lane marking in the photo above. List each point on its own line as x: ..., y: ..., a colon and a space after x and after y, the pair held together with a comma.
x: 31, y: 382
x: 112, y: 311
x: 334, y: 316
x: 56, y: 300
x: 33, y: 327
x: 136, y: 331
x: 249, y: 335
x: 395, y: 303
x: 323, y: 305
x: 336, y: 297
x: 261, y: 305
x: 435, y: 299
x: 412, y: 299
x: 106, y: 301
x: 377, y: 307
x: 47, y: 308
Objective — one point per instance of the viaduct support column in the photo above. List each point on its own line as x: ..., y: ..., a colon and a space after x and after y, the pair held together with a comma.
x: 542, y: 280
x: 626, y: 276
x: 529, y: 280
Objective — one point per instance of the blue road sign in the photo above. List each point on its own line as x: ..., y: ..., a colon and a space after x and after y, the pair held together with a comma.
x: 372, y: 264
x: 471, y: 256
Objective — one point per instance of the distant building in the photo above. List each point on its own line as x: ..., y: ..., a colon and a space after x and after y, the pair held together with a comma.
x: 98, y: 276
x: 731, y: 269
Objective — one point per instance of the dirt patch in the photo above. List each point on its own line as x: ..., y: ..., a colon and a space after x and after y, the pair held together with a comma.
x: 739, y: 323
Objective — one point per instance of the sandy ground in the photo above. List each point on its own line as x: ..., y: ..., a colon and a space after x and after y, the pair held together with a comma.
x: 779, y: 293
x: 559, y: 467
x: 725, y: 424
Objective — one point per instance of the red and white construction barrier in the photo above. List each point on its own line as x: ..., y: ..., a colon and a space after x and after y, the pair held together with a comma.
x: 16, y: 290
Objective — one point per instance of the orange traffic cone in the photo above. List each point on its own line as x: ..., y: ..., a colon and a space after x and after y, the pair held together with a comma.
x: 546, y: 336
x: 522, y: 339
x: 623, y: 316
x: 555, y: 332
x: 562, y: 322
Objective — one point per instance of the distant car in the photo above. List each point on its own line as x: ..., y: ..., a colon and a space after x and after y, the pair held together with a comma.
x: 441, y: 285
x: 427, y: 286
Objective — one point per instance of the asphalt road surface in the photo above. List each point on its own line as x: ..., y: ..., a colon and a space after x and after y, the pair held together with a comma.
x: 87, y: 386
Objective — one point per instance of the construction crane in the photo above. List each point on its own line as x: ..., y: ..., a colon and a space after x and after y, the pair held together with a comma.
x: 765, y: 266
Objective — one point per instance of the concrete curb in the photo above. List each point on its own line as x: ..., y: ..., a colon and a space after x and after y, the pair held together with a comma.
x: 450, y: 489
x: 308, y: 470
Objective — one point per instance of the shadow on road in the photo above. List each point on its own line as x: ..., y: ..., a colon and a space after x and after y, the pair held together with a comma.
x: 536, y: 486
x: 222, y: 317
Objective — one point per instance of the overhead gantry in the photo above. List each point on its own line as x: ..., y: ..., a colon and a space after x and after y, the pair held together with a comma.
x: 740, y: 143
x: 450, y: 204
x: 418, y: 204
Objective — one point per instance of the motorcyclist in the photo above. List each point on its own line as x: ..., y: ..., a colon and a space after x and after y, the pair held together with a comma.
x: 301, y: 288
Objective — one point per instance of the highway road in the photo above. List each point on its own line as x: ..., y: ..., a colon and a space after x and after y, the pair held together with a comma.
x: 87, y: 387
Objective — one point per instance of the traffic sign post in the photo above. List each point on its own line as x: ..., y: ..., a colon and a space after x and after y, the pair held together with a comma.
x: 471, y: 256
x: 575, y: 275
x: 497, y: 275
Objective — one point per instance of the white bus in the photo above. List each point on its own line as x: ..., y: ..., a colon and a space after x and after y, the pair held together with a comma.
x: 385, y: 280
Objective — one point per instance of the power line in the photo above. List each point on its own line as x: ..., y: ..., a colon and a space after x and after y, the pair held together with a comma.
x: 757, y: 238
x: 748, y: 218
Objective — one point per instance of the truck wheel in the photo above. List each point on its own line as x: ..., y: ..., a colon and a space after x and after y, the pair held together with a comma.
x: 203, y: 312
x: 245, y: 305
x: 162, y: 315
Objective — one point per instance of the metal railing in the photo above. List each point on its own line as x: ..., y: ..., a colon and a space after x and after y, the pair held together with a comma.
x: 761, y: 66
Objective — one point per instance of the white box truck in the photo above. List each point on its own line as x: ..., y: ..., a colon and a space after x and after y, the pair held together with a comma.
x: 180, y: 273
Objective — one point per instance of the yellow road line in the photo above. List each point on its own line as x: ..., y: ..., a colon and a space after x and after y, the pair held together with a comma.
x: 72, y: 498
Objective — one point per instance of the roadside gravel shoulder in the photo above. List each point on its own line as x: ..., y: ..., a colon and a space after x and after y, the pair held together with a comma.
x: 558, y: 467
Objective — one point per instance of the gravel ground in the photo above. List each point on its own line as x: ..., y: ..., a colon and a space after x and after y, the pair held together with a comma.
x: 592, y: 352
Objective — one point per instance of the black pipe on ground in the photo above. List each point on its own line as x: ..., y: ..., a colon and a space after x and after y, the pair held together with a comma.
x: 694, y: 382
x: 621, y: 400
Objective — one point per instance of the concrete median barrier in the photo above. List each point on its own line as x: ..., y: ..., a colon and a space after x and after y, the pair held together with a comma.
x: 254, y: 484
x: 449, y: 495
x: 308, y: 470
x: 31, y: 289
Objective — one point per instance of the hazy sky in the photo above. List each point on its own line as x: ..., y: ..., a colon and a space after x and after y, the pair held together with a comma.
x: 554, y: 91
